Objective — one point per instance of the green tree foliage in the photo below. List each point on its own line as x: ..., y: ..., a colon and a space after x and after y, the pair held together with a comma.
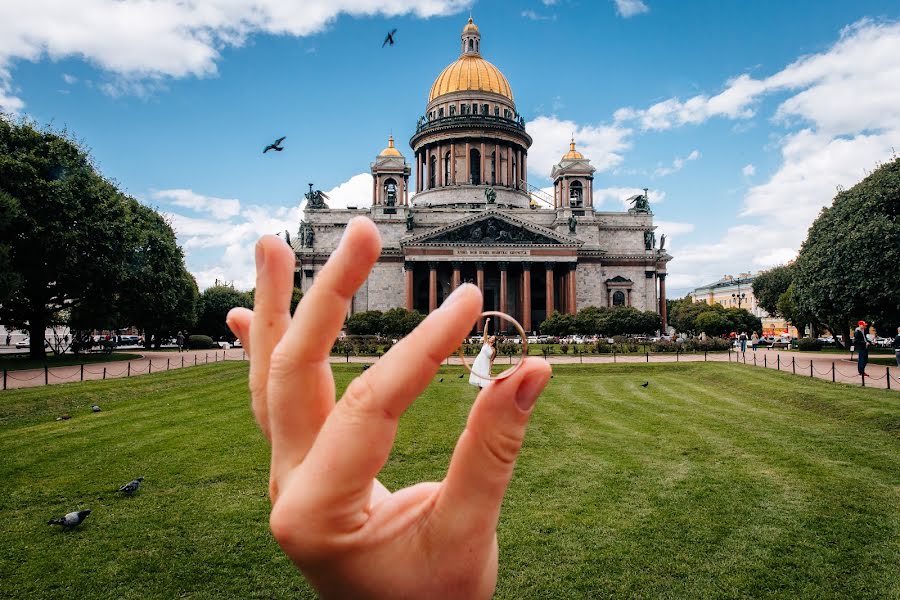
x: 742, y: 320
x: 69, y: 241
x: 398, y: 322
x: 791, y: 311
x: 684, y: 313
x: 713, y: 322
x: 558, y: 324
x: 10, y: 280
x: 367, y: 322
x: 847, y: 267
x: 213, y: 307
x: 627, y: 320
x: 768, y: 286
x: 716, y: 319
x: 591, y: 320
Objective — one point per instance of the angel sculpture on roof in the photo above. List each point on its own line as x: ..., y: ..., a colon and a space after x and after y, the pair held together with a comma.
x: 315, y: 198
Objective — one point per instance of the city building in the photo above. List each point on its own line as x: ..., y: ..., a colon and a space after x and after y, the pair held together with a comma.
x: 737, y: 292
x: 463, y: 211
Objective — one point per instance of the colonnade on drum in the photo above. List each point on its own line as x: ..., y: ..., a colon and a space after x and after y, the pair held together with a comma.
x: 527, y: 290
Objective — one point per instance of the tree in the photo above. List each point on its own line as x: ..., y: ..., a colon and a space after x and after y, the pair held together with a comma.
x: 713, y: 322
x: 368, y: 322
x: 398, y: 322
x: 69, y: 226
x: 627, y: 320
x: 742, y: 320
x: 158, y: 295
x: 793, y: 313
x: 213, y: 307
x: 591, y: 320
x: 684, y: 314
x: 847, y: 266
x: 558, y: 324
x: 769, y: 285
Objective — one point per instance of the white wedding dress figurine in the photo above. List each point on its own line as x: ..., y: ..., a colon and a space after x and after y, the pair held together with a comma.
x: 485, y: 358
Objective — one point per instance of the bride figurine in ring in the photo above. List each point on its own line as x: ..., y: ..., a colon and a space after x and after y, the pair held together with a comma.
x: 485, y: 359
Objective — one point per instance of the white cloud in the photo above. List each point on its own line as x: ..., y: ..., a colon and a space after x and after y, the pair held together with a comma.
x: 677, y: 164
x: 356, y: 191
x: 144, y: 40
x: 534, y: 16
x: 219, y: 208
x: 622, y: 194
x: 749, y: 170
x: 70, y: 79
x: 673, y: 228
x: 630, y: 8
x: 602, y: 144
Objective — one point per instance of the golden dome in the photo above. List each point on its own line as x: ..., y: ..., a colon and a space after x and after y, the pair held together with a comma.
x: 572, y: 154
x: 390, y: 150
x: 470, y: 27
x: 470, y: 72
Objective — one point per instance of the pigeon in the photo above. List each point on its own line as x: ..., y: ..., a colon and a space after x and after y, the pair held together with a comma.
x: 64, y: 417
x: 95, y: 408
x: 131, y: 487
x: 441, y: 380
x: 72, y: 519
x: 276, y: 145
x: 461, y: 376
x: 645, y: 384
x: 389, y: 39
x: 366, y: 367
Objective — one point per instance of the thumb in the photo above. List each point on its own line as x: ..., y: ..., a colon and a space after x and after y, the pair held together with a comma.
x: 485, y: 455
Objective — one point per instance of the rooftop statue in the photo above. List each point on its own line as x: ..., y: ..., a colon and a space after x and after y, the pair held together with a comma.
x: 316, y: 198
x: 490, y: 195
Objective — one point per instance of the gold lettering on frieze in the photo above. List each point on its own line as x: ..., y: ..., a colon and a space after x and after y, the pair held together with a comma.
x: 493, y: 252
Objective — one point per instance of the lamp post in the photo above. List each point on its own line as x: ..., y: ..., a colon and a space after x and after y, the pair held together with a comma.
x: 739, y: 296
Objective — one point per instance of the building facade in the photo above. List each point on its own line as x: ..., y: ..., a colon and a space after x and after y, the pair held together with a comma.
x: 475, y: 218
x: 737, y: 292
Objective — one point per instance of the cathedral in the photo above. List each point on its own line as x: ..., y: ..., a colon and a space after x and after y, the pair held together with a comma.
x: 475, y: 218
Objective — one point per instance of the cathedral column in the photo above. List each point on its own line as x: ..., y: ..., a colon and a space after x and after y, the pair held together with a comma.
x: 483, y: 170
x: 509, y: 182
x: 524, y: 166
x: 467, y: 163
x: 479, y: 280
x: 629, y: 297
x: 573, y: 305
x: 452, y: 163
x: 432, y: 287
x: 408, y: 273
x: 526, y: 296
x: 457, y: 265
x: 504, y: 292
x: 549, y: 267
x: 497, y: 172
x: 439, y: 164
x: 663, y: 309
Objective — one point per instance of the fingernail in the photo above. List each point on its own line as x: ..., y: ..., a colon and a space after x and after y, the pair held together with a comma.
x: 260, y: 256
x: 456, y: 295
x: 529, y: 390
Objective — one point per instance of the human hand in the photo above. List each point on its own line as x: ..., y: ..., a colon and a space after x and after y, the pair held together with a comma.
x: 347, y: 533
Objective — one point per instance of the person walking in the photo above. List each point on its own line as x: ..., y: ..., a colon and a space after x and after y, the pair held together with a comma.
x: 896, y: 346
x: 481, y: 369
x: 743, y: 340
x: 8, y: 339
x: 180, y: 341
x: 861, y: 345
x: 754, y: 341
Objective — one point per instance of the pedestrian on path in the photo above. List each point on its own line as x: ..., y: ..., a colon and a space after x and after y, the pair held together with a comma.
x: 861, y: 345
x: 743, y: 339
x: 180, y: 341
x: 896, y: 345
x: 754, y: 341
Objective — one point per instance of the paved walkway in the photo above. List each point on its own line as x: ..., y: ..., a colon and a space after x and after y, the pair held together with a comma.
x: 827, y: 366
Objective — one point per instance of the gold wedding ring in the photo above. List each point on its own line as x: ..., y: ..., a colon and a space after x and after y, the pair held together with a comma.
x: 514, y: 368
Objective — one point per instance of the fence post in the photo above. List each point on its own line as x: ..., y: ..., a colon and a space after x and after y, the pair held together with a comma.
x: 243, y: 355
x: 207, y: 358
x: 129, y: 369
x: 863, y: 377
x: 46, y: 378
x: 887, y: 374
x: 677, y: 354
x: 195, y: 360
x: 82, y: 371
x: 614, y: 355
x: 729, y: 355
x: 150, y: 366
x: 832, y: 371
x: 648, y: 357
x: 745, y: 357
x: 704, y: 356
x: 794, y: 364
x: 754, y: 359
x: 4, y: 378
x: 167, y: 364
x: 104, y: 373
x: 810, y: 368
x: 779, y: 362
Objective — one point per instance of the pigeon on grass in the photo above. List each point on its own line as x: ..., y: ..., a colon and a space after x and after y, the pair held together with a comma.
x: 645, y: 384
x: 95, y: 408
x: 131, y: 487
x: 70, y: 520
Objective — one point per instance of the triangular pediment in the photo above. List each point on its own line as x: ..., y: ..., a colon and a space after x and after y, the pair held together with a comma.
x: 492, y: 228
x: 619, y: 279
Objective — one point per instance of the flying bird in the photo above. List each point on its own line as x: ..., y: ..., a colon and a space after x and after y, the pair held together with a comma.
x: 95, y: 408
x: 645, y: 384
x: 276, y: 145
x: 72, y: 519
x: 389, y: 39
x: 131, y: 487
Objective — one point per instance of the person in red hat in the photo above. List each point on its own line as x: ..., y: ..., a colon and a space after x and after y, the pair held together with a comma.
x: 861, y: 345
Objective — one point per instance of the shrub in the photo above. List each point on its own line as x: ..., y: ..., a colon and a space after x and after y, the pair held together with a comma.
x: 564, y: 348
x: 664, y: 346
x: 809, y: 344
x: 387, y: 346
x: 200, y: 342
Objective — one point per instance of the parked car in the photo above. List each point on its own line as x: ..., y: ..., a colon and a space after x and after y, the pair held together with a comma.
x: 129, y: 340
x: 26, y: 343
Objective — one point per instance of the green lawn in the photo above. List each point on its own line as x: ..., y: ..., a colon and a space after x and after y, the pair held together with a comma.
x: 19, y: 362
x: 716, y: 481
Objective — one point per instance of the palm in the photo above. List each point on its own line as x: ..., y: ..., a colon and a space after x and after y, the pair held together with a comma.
x: 346, y: 531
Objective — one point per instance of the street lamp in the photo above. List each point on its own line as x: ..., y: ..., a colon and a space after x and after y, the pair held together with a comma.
x: 739, y: 296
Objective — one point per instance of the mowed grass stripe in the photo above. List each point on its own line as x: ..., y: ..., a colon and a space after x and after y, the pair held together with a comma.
x: 715, y: 481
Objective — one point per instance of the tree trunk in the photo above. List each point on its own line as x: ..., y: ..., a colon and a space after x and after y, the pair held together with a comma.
x: 36, y: 330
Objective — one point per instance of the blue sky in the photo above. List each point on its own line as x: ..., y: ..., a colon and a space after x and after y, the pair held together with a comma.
x: 741, y: 117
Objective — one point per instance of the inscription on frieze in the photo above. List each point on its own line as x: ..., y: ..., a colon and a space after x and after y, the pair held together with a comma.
x: 490, y: 252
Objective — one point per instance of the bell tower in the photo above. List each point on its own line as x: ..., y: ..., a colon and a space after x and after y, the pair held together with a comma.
x: 390, y: 178
x: 471, y: 39
x: 573, y: 181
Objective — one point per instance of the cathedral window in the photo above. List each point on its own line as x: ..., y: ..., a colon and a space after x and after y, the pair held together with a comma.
x: 619, y: 298
x: 493, y: 168
x: 485, y: 109
x: 496, y: 111
x: 440, y: 112
x: 576, y: 195
x: 432, y: 164
x: 474, y: 108
x: 446, y: 168
x: 452, y: 109
x: 471, y: 44
x: 475, y: 167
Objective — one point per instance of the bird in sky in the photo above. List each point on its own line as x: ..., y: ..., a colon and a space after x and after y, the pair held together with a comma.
x: 131, y: 487
x: 645, y: 384
x: 72, y: 519
x: 389, y: 39
x: 276, y: 145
